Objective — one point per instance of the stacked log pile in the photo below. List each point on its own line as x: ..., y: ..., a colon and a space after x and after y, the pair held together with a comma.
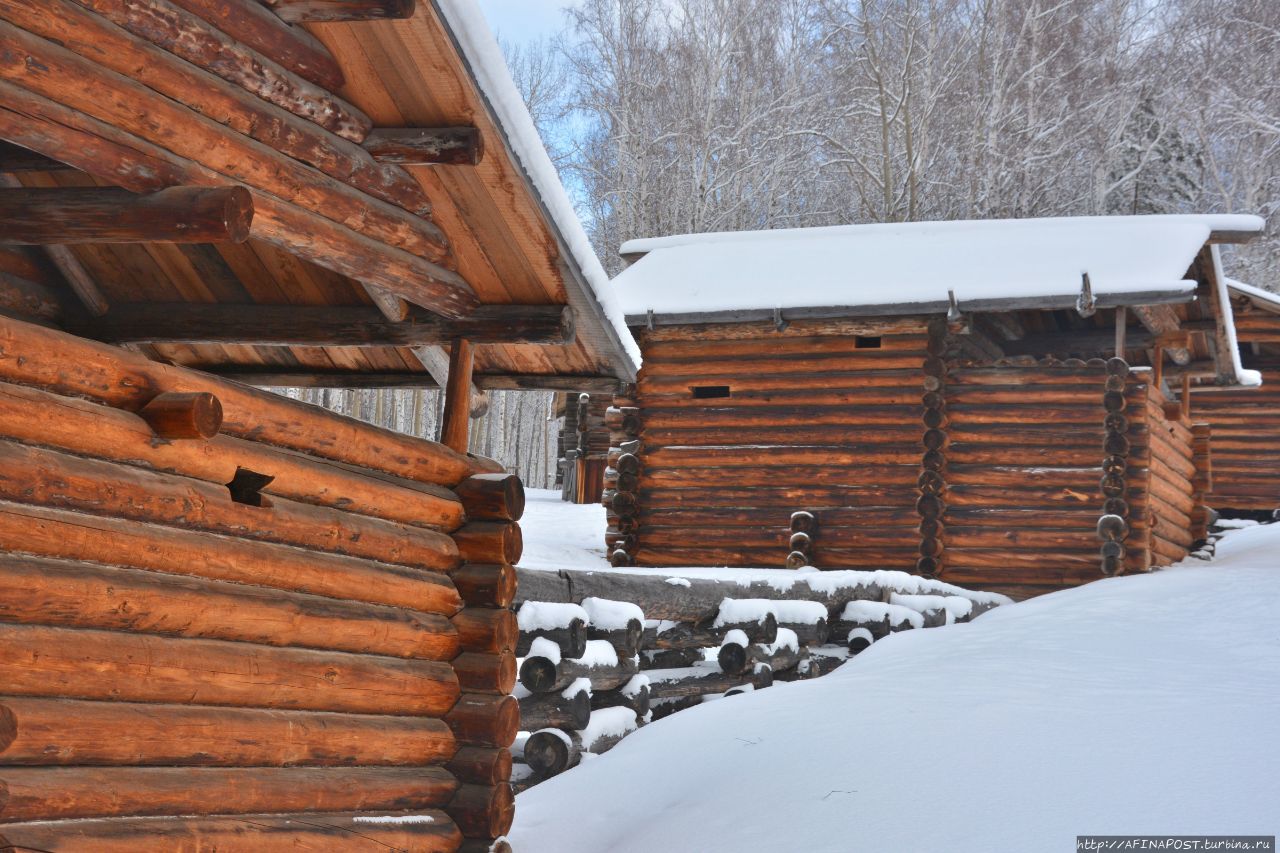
x: 605, y: 653
x: 217, y: 603
x: 734, y: 427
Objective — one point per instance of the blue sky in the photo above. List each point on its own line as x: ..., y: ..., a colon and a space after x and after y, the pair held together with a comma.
x: 523, y: 20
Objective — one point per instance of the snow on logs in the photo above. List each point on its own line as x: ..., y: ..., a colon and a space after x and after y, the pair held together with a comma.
x: 605, y: 652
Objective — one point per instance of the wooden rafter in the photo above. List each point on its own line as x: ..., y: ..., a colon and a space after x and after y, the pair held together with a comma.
x: 315, y: 11
x: 426, y: 146
x: 70, y: 215
x: 328, y: 326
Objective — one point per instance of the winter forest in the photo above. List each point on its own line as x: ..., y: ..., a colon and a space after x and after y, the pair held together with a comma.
x: 672, y: 116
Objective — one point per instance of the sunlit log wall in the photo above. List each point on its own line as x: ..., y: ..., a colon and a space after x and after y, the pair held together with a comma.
x: 989, y: 474
x: 740, y: 426
x: 301, y: 616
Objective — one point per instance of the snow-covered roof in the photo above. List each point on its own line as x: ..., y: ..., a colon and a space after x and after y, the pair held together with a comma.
x: 908, y: 268
x: 480, y: 51
x: 1264, y: 299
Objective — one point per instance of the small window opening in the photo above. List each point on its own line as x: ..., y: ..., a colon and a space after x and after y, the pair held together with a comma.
x: 246, y: 487
x: 708, y: 392
x: 866, y: 342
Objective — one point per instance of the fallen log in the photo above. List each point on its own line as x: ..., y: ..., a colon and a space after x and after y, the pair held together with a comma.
x: 57, y: 533
x: 670, y: 659
x: 701, y: 680
x: 600, y: 665
x: 420, y: 830
x: 566, y: 709
x: 35, y: 732
x: 564, y: 625
x: 619, y: 623
x: 41, y: 591
x: 87, y: 664
x: 551, y: 751
x: 683, y: 635
x: 64, y: 793
x: 634, y: 695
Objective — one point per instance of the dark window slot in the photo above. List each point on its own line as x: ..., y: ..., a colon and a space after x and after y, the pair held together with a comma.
x: 246, y: 487
x: 866, y: 342
x: 709, y: 392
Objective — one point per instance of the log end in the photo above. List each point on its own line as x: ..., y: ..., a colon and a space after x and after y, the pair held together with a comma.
x: 579, y: 707
x: 482, y: 811
x: 237, y: 213
x: 547, y: 752
x: 538, y: 674
x: 732, y: 658
x: 184, y: 416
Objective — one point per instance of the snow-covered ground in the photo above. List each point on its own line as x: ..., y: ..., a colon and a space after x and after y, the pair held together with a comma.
x: 560, y: 535
x: 1146, y: 704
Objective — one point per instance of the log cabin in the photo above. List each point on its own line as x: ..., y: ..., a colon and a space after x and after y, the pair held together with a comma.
x: 1001, y: 404
x: 230, y: 620
x: 1245, y: 441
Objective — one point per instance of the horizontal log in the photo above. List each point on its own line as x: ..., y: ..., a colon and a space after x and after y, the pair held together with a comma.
x: 485, y: 673
x: 65, y: 364
x: 570, y: 639
x: 479, y: 765
x: 551, y: 752
x: 543, y: 675
x: 56, y: 479
x: 490, y: 542
x: 688, y: 635
x: 124, y: 733
x: 704, y: 680
x: 483, y: 811
x: 319, y: 11
x: 485, y: 585
x: 421, y: 830
x: 89, y: 429
x: 481, y: 719
x: 39, y: 591
x: 323, y: 326
x: 670, y: 659
x: 87, y: 664
x: 487, y: 630
x: 492, y: 497
x: 28, y: 300
x: 47, y: 532
x: 691, y: 600
x: 64, y: 793
x: 181, y: 416
x: 426, y: 146
x: 72, y: 215
x: 555, y: 710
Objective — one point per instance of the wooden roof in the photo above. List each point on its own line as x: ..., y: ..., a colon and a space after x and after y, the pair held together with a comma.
x: 499, y: 241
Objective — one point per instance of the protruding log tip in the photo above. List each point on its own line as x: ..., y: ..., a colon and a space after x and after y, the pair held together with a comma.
x: 184, y: 416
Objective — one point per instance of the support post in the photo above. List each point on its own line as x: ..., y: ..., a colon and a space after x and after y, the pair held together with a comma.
x: 457, y: 400
x: 1122, y: 328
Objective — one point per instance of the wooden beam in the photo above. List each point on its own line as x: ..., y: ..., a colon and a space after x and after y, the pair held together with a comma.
x: 1210, y: 266
x: 435, y: 360
x: 262, y: 31
x: 266, y: 377
x: 106, y: 151
x: 1219, y: 237
x: 15, y: 158
x: 328, y: 326
x: 71, y: 215
x: 1122, y: 330
x: 1161, y: 319
x: 68, y: 265
x: 319, y: 11
x: 426, y: 146
x: 163, y: 49
x: 457, y: 409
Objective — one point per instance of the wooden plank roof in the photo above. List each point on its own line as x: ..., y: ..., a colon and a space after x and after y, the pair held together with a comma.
x: 505, y: 241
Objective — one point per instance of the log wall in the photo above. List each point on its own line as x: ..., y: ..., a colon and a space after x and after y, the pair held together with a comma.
x: 740, y: 432
x: 989, y: 474
x: 302, y: 616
